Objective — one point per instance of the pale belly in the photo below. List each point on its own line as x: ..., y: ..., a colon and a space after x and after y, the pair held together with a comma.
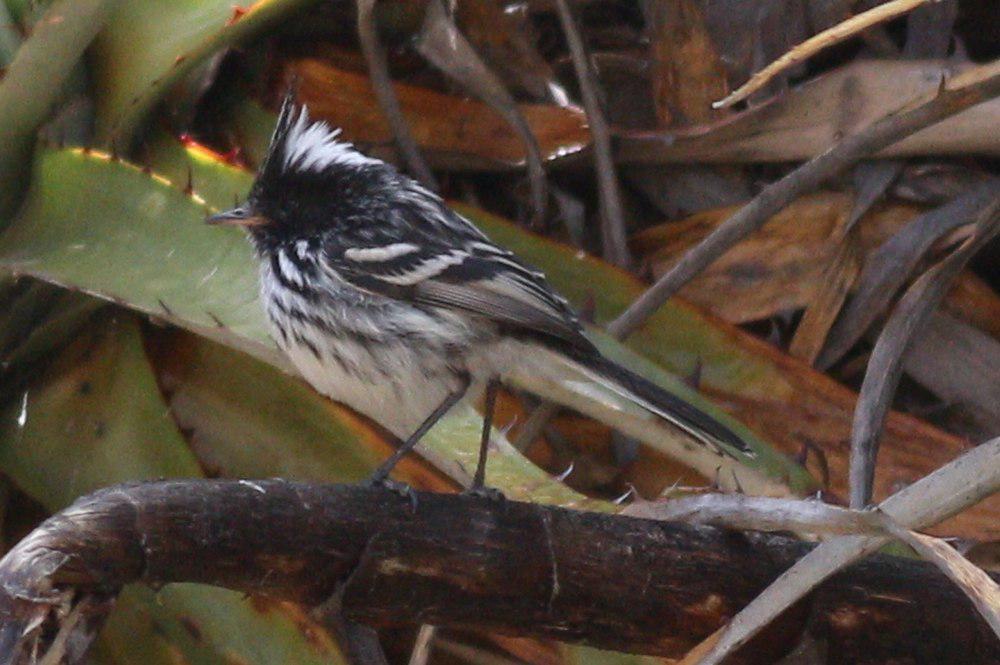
x: 393, y: 388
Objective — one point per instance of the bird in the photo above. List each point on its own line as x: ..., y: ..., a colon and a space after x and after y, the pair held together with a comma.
x: 387, y: 300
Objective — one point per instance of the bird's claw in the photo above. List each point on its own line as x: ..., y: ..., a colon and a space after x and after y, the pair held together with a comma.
x: 488, y: 493
x: 396, y: 487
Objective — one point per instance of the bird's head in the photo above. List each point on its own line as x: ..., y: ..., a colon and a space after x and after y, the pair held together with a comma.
x: 309, y: 182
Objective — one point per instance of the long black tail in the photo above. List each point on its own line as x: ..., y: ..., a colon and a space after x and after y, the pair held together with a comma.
x: 689, y: 418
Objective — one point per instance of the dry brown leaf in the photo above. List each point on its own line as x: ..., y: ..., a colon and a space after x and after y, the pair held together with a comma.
x: 815, y: 115
x: 653, y: 473
x: 818, y: 418
x: 568, y: 442
x: 687, y: 72
x: 972, y: 300
x: 831, y: 292
x: 454, y: 132
x: 807, y: 409
x: 871, y: 179
x: 780, y: 267
x: 503, y: 36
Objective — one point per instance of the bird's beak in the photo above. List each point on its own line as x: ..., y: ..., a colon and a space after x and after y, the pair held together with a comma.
x: 240, y: 216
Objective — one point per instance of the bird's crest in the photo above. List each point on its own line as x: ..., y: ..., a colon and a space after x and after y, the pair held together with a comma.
x: 305, y: 145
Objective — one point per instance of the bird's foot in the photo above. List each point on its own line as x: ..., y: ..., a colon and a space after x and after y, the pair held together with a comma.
x: 396, y: 487
x: 484, y: 492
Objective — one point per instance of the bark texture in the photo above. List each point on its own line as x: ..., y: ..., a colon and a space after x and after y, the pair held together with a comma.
x: 521, y: 569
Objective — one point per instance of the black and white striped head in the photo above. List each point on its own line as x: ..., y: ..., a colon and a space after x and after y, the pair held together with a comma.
x: 310, y: 181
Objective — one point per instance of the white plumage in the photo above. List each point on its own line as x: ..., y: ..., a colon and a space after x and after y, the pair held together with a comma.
x: 379, y: 254
x: 313, y: 146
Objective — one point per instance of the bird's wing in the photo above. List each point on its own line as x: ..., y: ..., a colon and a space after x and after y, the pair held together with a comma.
x: 459, y: 270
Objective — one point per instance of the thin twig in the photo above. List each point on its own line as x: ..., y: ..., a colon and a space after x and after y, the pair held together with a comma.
x: 954, y: 487
x: 886, y: 365
x: 378, y: 70
x: 759, y: 513
x: 444, y: 45
x: 613, y: 239
x: 771, y: 514
x: 973, y: 87
x: 810, y: 47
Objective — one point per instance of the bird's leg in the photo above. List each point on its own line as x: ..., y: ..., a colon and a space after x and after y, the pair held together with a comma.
x: 478, y: 487
x: 381, y: 475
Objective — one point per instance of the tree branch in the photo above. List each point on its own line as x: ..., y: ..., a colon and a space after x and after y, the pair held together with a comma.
x: 515, y: 568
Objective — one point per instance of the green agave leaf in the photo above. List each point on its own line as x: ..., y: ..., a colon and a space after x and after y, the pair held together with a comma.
x: 10, y: 37
x: 34, y: 81
x: 202, y: 625
x: 252, y: 125
x: 95, y: 418
x: 68, y: 312
x: 245, y: 419
x: 38, y: 319
x: 149, y: 45
x: 107, y: 228
x: 580, y: 655
x: 211, y: 177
